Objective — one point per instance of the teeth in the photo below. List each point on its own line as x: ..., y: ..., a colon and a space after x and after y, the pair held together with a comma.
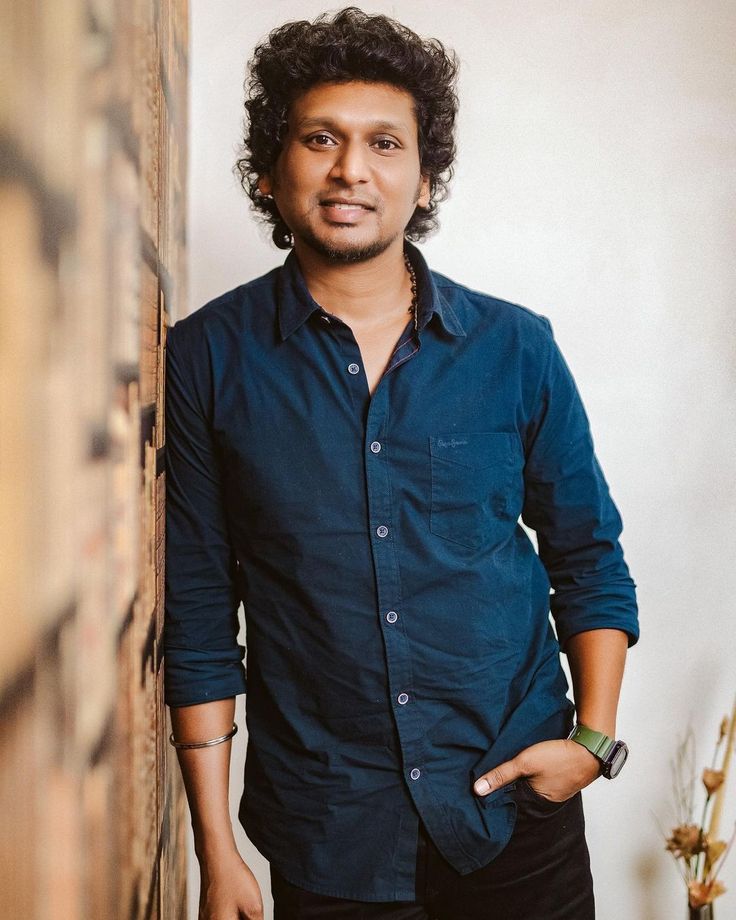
x: 345, y: 207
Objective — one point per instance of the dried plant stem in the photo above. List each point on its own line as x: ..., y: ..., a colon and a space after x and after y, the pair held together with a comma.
x: 715, y: 752
x: 715, y: 817
x: 702, y: 857
x: 683, y: 776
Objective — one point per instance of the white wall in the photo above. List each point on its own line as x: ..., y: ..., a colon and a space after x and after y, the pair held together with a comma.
x: 595, y: 184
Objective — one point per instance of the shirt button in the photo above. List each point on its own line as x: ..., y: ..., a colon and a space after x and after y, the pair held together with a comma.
x: 353, y: 369
x: 382, y: 531
x: 415, y: 774
x: 403, y: 698
x: 375, y: 447
x: 392, y: 616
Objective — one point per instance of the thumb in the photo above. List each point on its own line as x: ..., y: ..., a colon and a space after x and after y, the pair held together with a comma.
x: 499, y: 776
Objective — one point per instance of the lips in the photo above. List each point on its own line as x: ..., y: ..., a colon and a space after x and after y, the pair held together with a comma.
x: 346, y: 199
x: 347, y: 203
x: 344, y: 210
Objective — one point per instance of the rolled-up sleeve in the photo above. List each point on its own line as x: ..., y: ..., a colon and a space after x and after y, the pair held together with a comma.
x: 202, y: 658
x: 568, y: 504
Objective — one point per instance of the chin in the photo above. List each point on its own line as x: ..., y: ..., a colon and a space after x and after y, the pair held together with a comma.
x: 348, y: 251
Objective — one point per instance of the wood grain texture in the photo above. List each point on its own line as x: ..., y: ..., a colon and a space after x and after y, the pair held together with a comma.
x: 92, y: 192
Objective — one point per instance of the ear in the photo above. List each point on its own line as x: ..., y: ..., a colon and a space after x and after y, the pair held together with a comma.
x: 424, y: 192
x: 265, y: 185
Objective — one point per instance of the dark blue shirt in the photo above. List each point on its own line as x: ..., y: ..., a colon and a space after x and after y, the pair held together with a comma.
x: 398, y: 631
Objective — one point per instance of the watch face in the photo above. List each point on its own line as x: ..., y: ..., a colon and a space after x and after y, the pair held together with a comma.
x: 617, y: 758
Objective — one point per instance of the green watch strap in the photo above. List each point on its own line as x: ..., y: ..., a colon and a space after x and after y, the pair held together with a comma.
x: 596, y: 742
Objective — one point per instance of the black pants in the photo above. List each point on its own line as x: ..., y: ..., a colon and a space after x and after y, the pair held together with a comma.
x: 543, y: 873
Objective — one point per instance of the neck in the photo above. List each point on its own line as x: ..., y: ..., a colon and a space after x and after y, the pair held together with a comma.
x: 362, y: 294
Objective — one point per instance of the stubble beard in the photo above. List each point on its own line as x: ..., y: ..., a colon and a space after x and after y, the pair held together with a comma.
x: 348, y: 253
x: 357, y: 252
x: 351, y: 253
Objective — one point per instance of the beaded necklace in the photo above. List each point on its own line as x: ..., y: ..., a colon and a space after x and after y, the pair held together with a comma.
x: 413, y: 277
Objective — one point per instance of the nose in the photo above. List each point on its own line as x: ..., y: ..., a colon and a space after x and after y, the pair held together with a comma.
x: 351, y: 163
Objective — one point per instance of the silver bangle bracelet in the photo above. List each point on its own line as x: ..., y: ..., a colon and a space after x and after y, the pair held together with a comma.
x: 200, y: 744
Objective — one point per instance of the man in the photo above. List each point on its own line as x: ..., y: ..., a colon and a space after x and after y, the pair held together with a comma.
x: 351, y: 442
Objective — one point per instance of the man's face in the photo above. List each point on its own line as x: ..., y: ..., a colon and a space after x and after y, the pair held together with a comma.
x: 348, y: 179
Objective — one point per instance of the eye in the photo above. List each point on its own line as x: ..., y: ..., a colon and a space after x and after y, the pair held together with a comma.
x: 385, y: 143
x: 319, y: 140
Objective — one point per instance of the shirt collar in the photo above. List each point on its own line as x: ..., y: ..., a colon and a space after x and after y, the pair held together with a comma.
x: 296, y: 304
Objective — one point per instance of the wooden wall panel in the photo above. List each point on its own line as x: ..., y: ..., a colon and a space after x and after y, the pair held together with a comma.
x: 92, y: 192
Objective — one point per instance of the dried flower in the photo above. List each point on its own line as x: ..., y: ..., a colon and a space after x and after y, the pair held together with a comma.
x: 697, y: 847
x: 685, y: 841
x: 714, y: 850
x: 701, y: 893
x: 712, y: 780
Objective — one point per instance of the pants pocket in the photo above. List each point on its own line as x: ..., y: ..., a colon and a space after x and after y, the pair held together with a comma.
x: 527, y: 799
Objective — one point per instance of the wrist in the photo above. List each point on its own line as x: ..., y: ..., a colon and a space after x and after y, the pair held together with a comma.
x: 214, y: 848
x: 588, y: 765
x: 597, y: 722
x: 610, y: 753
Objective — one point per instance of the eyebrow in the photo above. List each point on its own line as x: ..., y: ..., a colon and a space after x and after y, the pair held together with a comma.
x: 326, y: 122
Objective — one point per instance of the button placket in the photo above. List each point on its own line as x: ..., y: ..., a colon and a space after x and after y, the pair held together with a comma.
x: 408, y: 719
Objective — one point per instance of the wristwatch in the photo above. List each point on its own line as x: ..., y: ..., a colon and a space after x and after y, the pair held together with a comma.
x: 611, y: 754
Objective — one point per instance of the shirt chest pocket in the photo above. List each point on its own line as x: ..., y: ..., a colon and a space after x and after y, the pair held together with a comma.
x: 475, y: 487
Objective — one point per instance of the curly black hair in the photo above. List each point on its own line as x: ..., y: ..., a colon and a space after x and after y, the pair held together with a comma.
x: 349, y: 45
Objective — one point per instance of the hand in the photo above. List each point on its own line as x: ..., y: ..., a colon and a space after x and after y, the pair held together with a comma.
x: 556, y: 770
x: 229, y: 890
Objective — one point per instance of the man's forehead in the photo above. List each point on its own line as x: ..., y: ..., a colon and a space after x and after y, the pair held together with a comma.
x: 377, y: 106
x: 317, y: 121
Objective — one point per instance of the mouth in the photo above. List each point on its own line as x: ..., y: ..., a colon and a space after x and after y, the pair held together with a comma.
x: 346, y: 203
x: 342, y: 211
